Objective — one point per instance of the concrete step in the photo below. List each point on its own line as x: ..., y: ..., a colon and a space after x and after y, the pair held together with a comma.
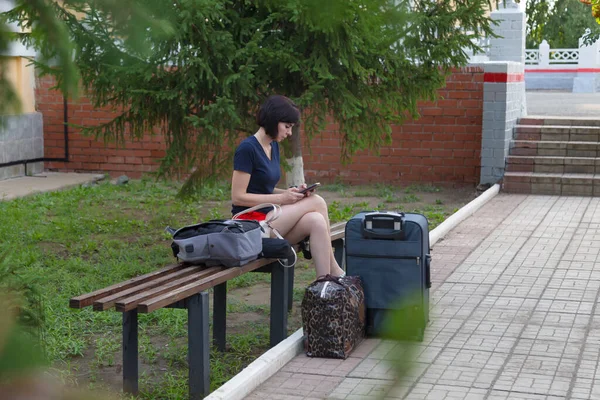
x: 553, y: 164
x: 555, y: 148
x: 569, y: 121
x: 556, y: 184
x: 561, y: 133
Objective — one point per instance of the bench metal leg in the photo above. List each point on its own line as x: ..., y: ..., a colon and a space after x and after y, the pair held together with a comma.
x: 290, y: 288
x: 338, y: 252
x: 220, y: 316
x: 198, y: 346
x: 279, y: 299
x: 130, y: 352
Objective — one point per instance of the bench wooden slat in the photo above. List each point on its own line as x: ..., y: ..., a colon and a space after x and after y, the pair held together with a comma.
x: 196, y: 287
x: 105, y: 303
x: 131, y: 302
x: 87, y: 299
x: 338, y: 231
x: 337, y: 226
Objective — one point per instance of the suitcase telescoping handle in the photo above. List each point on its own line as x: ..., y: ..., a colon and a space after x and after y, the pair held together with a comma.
x: 428, y: 271
x: 383, y: 226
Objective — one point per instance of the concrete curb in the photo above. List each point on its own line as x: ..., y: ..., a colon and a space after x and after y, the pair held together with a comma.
x: 274, y: 359
x: 260, y: 369
x: 442, y: 229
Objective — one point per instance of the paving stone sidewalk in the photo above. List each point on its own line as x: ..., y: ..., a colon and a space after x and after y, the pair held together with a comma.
x: 513, y: 315
x: 13, y: 188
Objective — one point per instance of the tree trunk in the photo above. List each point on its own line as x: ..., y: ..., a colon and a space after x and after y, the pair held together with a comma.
x: 295, y: 177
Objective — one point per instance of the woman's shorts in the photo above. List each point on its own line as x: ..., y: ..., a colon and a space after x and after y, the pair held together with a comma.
x: 253, y: 216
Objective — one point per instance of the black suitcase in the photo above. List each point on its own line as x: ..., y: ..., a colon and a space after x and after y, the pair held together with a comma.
x: 390, y: 252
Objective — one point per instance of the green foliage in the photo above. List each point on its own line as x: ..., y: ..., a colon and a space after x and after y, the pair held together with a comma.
x: 20, y: 344
x: 47, y: 24
x: 538, y: 12
x: 561, y: 23
x: 364, y: 62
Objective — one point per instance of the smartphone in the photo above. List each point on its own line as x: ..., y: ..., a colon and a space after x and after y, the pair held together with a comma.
x: 310, y: 188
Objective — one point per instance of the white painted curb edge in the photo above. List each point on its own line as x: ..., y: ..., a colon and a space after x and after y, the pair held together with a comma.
x: 442, y: 229
x: 260, y: 369
x: 274, y: 359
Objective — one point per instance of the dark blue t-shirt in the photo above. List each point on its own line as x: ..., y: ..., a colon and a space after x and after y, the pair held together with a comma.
x: 264, y: 173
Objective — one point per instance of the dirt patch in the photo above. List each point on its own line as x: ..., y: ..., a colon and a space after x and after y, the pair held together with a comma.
x: 59, y: 249
x: 108, y: 372
x: 255, y: 295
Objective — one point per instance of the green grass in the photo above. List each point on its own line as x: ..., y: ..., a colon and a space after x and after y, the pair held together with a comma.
x: 339, y: 187
x: 421, y: 188
x: 75, y: 241
x: 339, y: 212
x: 410, y: 198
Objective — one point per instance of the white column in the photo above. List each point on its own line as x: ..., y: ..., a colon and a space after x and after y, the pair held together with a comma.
x: 511, y: 28
x: 544, y: 54
x: 588, y: 67
x: 510, y: 45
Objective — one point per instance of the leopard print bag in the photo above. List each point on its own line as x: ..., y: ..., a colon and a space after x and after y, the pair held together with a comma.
x: 333, y: 316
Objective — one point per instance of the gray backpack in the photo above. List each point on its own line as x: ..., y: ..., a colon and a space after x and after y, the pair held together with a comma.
x: 219, y: 242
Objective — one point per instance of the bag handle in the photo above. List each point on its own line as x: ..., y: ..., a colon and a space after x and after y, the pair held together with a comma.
x: 276, y: 211
x: 329, y: 278
x: 227, y: 224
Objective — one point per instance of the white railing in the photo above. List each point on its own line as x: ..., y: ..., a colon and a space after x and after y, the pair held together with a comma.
x: 582, y: 57
x: 565, y: 69
x: 564, y: 56
x: 547, y: 56
x: 532, y: 57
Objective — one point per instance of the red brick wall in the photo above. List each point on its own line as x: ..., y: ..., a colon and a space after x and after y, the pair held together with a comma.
x: 134, y: 158
x: 441, y: 147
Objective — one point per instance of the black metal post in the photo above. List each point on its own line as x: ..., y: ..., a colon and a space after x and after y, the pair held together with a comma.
x: 338, y: 252
x: 290, y: 288
x: 198, y: 346
x: 220, y: 316
x: 279, y: 298
x: 130, y: 352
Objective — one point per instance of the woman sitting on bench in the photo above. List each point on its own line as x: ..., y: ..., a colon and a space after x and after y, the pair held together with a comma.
x: 257, y: 172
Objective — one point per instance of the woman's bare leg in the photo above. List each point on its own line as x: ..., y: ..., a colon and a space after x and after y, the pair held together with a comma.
x: 291, y: 215
x: 313, y: 225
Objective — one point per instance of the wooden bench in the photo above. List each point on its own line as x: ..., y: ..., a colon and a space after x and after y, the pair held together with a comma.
x: 186, y: 286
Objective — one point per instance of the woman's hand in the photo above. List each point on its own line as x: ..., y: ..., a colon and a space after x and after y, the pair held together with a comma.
x: 291, y: 196
x: 304, y: 186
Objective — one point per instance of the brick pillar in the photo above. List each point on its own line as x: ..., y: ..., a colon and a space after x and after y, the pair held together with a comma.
x: 504, y: 98
x: 512, y: 31
x: 502, y: 106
